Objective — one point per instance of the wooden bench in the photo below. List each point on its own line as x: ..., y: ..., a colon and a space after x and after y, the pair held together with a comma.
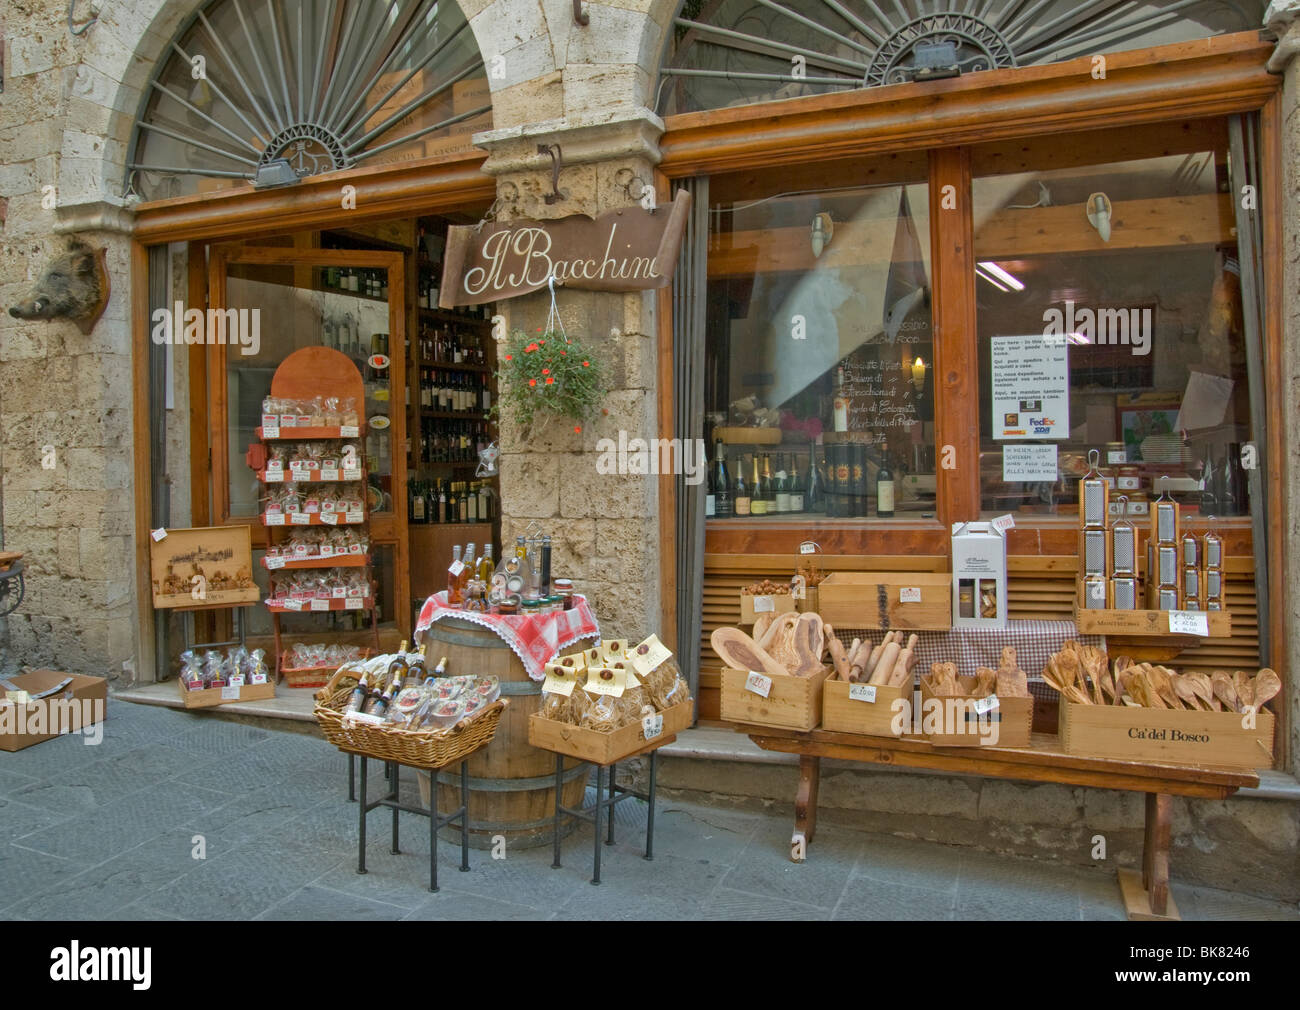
x: 1146, y: 896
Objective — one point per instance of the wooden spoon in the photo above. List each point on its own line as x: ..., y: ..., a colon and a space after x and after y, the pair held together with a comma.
x: 1152, y: 696
x: 1204, y: 692
x: 1267, y: 685
x: 1245, y: 689
x: 1158, y: 677
x: 1185, y: 692
x: 1224, y: 690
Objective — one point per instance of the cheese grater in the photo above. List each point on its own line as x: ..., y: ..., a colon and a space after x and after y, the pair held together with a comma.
x: 1123, y: 543
x: 1167, y: 598
x: 1191, y: 551
x: 1214, y: 589
x: 1166, y: 565
x: 1093, y: 552
x: 1191, y: 585
x: 1213, y: 552
x: 1094, y: 495
x: 1164, y: 517
x: 1094, y: 592
x: 1124, y: 592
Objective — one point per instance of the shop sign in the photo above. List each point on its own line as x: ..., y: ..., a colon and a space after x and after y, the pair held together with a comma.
x: 630, y: 249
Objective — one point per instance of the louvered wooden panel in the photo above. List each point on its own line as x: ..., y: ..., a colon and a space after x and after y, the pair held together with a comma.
x: 1039, y: 588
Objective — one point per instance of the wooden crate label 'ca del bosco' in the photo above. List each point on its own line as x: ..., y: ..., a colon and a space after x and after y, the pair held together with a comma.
x: 630, y: 249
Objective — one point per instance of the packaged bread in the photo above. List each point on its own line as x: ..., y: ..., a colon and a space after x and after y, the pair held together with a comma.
x: 602, y: 713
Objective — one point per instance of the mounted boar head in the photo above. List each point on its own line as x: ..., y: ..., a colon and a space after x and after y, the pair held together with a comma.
x: 73, y: 286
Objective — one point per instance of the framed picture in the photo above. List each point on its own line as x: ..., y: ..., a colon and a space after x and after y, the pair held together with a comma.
x: 1149, y: 420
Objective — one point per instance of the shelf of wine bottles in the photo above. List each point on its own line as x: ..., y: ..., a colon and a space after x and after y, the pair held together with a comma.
x: 363, y: 282
x: 446, y: 440
x: 450, y: 501
x: 449, y: 346
x: 453, y: 392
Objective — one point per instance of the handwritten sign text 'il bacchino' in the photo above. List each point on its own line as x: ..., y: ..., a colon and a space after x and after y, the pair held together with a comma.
x: 621, y: 250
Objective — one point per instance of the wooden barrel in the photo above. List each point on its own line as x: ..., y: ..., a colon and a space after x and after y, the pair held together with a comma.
x: 511, y: 783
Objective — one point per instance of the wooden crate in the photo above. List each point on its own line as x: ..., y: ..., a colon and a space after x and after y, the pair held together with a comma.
x: 782, y: 603
x: 960, y: 720
x: 208, y: 697
x: 470, y: 94
x: 1167, y: 736
x: 213, y: 550
x: 872, y: 715
x: 874, y: 600
x: 792, y: 703
x: 1145, y: 623
x: 605, y: 748
x: 748, y: 436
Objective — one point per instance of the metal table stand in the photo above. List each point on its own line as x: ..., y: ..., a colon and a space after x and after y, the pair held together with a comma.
x: 606, y: 801
x: 436, y: 820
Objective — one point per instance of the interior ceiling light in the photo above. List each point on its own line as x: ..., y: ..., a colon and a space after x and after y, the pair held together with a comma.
x: 980, y: 272
x: 1099, y: 214
x: 1014, y: 283
x: 822, y: 230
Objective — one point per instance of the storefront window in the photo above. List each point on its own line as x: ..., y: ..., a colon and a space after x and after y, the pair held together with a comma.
x: 326, y: 312
x: 1110, y: 319
x: 819, y: 345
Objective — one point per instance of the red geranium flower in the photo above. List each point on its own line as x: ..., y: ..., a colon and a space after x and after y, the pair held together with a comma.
x: 530, y: 348
x: 532, y: 382
x: 586, y: 364
x: 550, y: 382
x: 577, y: 429
x: 565, y: 353
x: 546, y: 371
x: 510, y: 357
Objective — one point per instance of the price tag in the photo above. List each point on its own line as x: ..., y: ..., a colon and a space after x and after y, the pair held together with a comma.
x: 983, y: 706
x: 764, y: 605
x: 159, y: 534
x: 350, y: 431
x: 648, y: 656
x: 652, y: 726
x: 606, y: 681
x: 270, y: 431
x: 1189, y: 622
x: 758, y: 683
x: 320, y: 604
x: 356, y: 517
x: 1003, y: 523
x: 274, y: 563
x: 862, y: 692
x: 275, y: 519
x: 331, y: 474
x: 292, y: 604
x: 350, y: 473
x: 274, y: 474
x: 230, y: 693
x: 300, y: 518
x: 353, y: 603
x: 456, y: 567
x: 329, y: 518
x: 808, y: 547
x: 909, y: 594
x: 559, y: 680
x: 1116, y: 456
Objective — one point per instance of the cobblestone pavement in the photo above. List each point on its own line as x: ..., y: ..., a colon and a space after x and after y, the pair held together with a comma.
x: 110, y: 832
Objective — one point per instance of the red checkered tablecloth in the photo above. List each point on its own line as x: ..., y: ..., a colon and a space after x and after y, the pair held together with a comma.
x: 1034, y: 641
x: 536, y: 640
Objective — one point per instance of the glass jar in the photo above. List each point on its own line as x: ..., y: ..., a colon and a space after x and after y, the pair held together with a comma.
x: 564, y: 591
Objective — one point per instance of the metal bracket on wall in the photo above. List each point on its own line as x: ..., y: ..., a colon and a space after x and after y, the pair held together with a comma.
x: 579, y: 15
x: 81, y: 29
x: 557, y: 162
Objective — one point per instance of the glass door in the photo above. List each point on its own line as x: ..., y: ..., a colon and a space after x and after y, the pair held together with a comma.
x: 270, y: 302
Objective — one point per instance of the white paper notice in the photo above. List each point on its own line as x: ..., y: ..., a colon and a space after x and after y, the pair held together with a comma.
x: 1205, y: 401
x: 862, y: 692
x: 758, y: 683
x: 230, y: 693
x: 1033, y: 464
x: 1031, y: 386
x: 1189, y: 622
x: 763, y: 605
x: 908, y: 594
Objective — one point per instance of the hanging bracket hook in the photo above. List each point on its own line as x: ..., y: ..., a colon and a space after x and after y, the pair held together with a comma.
x: 580, y: 16
x: 557, y: 162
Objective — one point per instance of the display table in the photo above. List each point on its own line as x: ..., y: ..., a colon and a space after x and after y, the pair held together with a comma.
x: 1146, y: 896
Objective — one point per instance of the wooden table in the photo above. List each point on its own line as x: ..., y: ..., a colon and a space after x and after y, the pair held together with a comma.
x: 1145, y: 896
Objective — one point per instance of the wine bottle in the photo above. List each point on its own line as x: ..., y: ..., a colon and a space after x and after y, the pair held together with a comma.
x: 769, y: 485
x: 742, y: 497
x: 782, y: 485
x: 885, y: 489
x: 758, y: 493
x: 841, y: 403
x: 454, y: 572
x: 796, y: 485
x: 721, y: 485
x: 814, y: 488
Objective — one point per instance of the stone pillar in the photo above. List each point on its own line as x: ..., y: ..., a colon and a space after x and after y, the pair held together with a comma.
x: 604, y: 527
x: 1283, y: 18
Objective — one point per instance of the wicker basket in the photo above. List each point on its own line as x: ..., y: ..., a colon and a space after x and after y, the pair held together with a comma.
x: 416, y: 748
x: 315, y: 676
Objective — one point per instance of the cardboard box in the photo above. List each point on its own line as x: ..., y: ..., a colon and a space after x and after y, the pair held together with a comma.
x: 911, y: 601
x: 1167, y: 736
x: 422, y: 117
x: 967, y: 722
x: 470, y: 94
x: 752, y: 606
x: 605, y: 748
x: 207, y: 698
x: 864, y: 708
x: 791, y: 702
x: 979, y: 567
x: 83, y: 702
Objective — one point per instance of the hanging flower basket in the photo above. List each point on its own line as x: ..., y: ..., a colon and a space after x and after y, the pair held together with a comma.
x: 548, y: 373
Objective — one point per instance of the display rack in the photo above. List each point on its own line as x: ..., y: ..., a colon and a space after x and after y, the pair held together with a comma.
x: 308, y: 373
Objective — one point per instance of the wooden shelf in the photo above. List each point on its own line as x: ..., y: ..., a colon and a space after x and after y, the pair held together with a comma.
x: 315, y: 606
x: 453, y: 415
x: 1147, y: 624
x: 452, y: 366
x: 314, y: 519
x: 452, y: 317
x: 333, y: 561
x: 313, y: 476
x: 288, y: 434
